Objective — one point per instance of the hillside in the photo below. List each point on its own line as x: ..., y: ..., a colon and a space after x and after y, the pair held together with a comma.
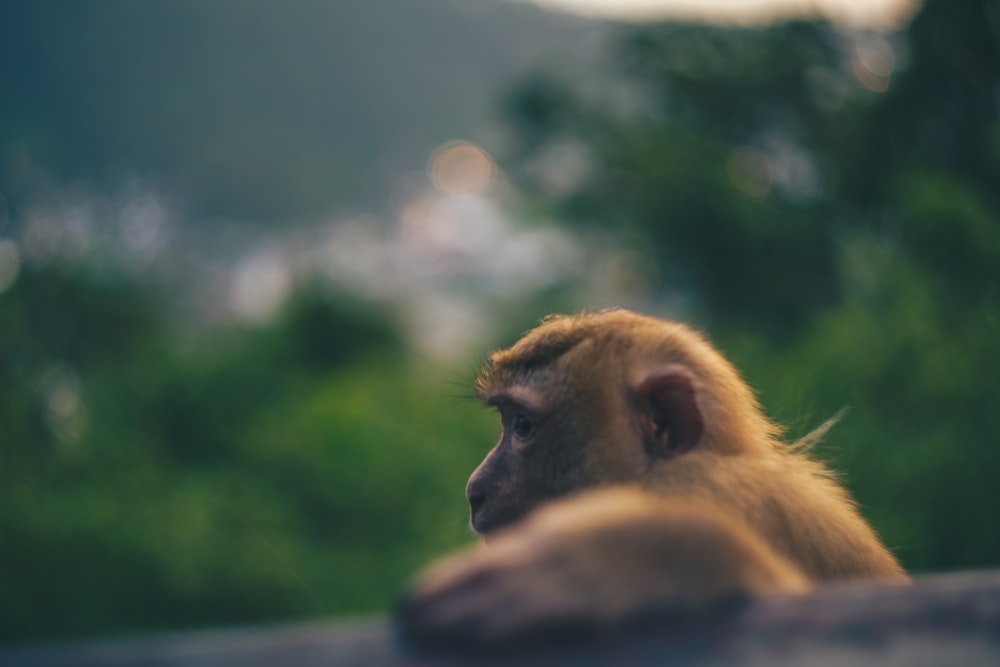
x: 256, y: 110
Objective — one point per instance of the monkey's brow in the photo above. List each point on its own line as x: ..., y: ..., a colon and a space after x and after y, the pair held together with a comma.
x: 519, y: 395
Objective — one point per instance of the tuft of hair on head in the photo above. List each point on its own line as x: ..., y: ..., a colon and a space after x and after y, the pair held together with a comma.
x: 538, y: 347
x: 810, y: 440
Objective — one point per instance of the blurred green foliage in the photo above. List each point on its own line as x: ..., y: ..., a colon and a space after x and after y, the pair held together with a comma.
x: 300, y: 470
x: 837, y: 233
x: 841, y: 245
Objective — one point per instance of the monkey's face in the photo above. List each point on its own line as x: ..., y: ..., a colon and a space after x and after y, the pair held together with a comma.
x: 544, y: 452
x: 579, y: 411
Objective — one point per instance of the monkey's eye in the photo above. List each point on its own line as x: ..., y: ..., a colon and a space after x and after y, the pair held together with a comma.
x: 522, y: 426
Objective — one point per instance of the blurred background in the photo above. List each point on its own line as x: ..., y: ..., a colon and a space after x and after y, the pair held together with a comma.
x: 252, y: 253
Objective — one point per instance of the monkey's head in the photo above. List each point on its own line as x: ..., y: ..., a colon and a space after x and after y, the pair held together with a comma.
x: 604, y: 398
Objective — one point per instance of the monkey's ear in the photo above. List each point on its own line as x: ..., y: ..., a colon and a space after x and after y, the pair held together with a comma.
x: 673, y: 421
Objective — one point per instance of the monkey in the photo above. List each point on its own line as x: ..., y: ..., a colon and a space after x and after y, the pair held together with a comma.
x: 635, y: 472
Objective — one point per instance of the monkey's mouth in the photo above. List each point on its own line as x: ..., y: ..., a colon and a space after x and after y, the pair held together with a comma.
x: 484, y: 522
x: 479, y: 525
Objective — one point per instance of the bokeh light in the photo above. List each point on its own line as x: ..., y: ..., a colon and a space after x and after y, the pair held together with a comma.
x: 65, y: 411
x: 260, y: 285
x: 563, y: 168
x: 460, y: 168
x: 142, y: 221
x: 873, y: 62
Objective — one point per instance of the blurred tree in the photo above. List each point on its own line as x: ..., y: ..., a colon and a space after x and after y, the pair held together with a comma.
x: 829, y: 202
x: 725, y: 158
x: 299, y: 469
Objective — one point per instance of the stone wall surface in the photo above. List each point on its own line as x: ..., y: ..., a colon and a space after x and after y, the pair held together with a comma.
x: 940, y: 620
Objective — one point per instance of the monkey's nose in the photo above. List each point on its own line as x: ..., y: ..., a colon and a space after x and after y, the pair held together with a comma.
x: 475, y: 492
x: 476, y: 500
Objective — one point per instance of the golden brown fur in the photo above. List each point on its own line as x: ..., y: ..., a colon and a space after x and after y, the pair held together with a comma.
x: 661, y: 484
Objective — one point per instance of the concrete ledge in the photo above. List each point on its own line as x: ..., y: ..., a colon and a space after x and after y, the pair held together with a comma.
x: 941, y: 620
